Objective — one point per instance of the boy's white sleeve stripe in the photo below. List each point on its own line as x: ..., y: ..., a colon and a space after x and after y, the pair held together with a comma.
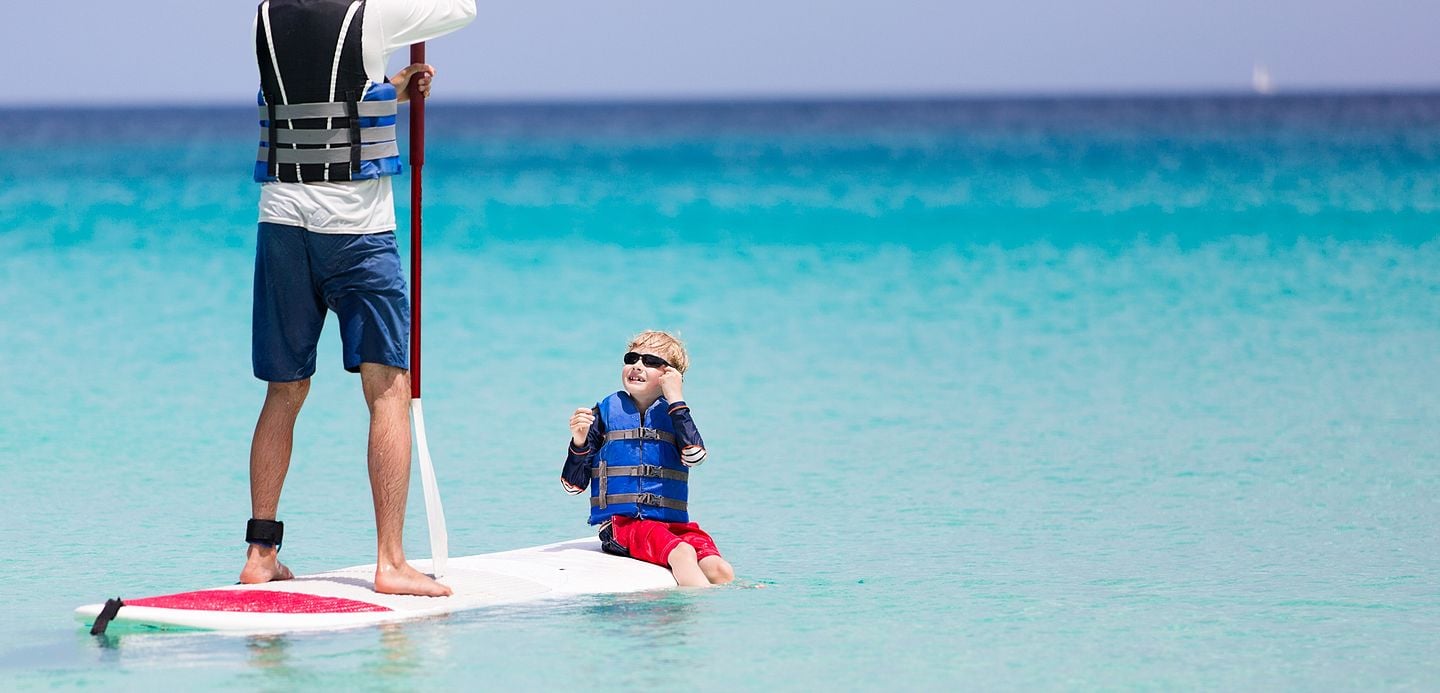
x: 693, y: 455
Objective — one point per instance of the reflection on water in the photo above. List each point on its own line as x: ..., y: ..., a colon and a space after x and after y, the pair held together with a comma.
x: 108, y: 643
x: 268, y: 651
x: 382, y: 652
x: 651, y: 618
x: 397, y: 653
x: 378, y: 653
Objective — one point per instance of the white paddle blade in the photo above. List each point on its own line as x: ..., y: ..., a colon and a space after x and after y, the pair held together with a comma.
x: 434, y: 512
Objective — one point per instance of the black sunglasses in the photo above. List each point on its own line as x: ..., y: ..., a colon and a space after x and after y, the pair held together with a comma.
x: 650, y: 360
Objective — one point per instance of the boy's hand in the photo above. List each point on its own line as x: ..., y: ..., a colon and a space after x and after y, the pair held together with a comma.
x: 570, y: 488
x: 670, y: 384
x: 580, y: 425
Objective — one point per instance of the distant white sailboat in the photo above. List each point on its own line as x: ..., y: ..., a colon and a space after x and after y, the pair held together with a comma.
x: 1260, y: 80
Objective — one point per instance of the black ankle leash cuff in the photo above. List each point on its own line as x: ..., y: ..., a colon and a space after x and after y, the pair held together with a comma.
x: 266, y: 533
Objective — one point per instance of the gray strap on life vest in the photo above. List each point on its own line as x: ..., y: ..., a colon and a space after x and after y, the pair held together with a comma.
x: 640, y: 434
x: 328, y: 156
x: 639, y: 498
x: 646, y: 470
x: 383, y: 133
x: 331, y: 109
x: 602, y: 484
x: 271, y: 132
x: 352, y: 109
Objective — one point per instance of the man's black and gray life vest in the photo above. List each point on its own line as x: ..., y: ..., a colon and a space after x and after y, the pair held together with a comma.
x: 321, y: 118
x: 637, y: 472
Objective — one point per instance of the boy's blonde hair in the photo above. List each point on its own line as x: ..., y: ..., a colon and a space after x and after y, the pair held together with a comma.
x: 665, y: 344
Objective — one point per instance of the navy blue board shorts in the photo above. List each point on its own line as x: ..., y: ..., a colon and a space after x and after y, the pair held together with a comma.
x: 299, y: 274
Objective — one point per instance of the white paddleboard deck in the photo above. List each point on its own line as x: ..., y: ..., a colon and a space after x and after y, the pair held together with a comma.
x: 346, y: 598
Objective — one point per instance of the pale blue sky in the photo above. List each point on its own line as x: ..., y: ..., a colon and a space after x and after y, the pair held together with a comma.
x: 200, y: 51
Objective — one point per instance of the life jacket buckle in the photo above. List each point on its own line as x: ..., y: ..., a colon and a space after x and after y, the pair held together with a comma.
x: 647, y: 499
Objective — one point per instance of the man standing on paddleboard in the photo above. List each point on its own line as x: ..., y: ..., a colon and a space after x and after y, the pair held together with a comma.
x: 326, y: 241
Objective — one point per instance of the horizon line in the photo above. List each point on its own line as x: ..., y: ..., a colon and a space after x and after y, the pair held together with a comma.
x: 779, y: 98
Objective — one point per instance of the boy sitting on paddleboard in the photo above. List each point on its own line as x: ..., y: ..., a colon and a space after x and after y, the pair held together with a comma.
x: 637, y: 447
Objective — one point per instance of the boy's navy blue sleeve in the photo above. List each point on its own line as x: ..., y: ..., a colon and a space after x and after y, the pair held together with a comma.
x: 577, y: 462
x: 687, y: 436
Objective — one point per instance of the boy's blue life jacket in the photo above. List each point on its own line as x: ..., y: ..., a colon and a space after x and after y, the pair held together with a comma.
x: 637, y: 472
x: 321, y: 118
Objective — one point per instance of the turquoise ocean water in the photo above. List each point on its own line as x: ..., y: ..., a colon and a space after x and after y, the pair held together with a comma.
x: 999, y: 394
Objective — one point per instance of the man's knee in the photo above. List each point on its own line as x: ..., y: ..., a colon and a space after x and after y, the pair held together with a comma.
x: 288, y: 394
x: 384, y: 382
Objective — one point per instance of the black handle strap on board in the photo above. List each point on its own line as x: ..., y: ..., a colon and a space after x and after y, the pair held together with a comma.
x: 112, y: 607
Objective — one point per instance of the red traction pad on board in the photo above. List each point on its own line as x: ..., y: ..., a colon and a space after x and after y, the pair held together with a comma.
x: 257, y: 602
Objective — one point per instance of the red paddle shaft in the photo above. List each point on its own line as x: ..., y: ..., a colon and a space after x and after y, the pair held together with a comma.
x: 417, y: 160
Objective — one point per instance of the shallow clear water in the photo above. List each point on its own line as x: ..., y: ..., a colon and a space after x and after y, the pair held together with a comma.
x: 999, y: 394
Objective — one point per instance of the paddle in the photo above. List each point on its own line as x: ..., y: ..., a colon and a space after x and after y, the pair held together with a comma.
x: 434, y: 513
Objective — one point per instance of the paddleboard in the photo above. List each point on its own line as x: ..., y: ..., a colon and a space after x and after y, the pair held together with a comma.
x: 345, y: 598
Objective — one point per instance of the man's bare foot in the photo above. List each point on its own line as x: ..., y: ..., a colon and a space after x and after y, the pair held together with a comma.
x: 263, y: 565
x: 403, y: 579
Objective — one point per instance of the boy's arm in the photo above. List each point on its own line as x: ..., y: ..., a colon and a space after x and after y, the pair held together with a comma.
x: 575, y: 476
x: 687, y: 436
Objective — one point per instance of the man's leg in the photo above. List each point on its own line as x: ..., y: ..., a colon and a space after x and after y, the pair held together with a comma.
x: 387, y: 393
x: 269, y: 463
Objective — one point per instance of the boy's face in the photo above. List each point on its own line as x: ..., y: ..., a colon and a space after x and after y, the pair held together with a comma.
x: 642, y: 381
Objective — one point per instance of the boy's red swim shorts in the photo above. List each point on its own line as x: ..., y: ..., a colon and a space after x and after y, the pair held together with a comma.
x: 652, y: 541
